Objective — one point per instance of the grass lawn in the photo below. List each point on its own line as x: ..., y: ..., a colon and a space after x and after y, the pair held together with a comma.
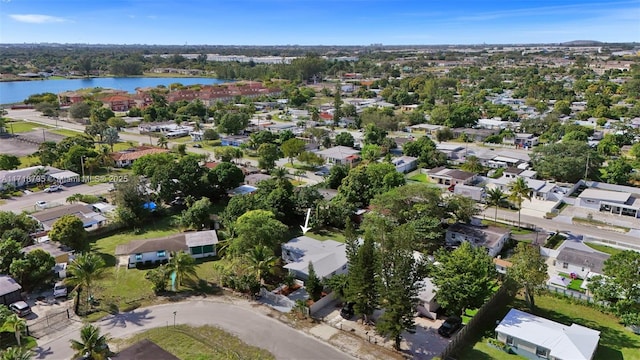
x: 297, y: 182
x: 555, y: 241
x: 574, y: 284
x: 27, y: 161
x: 205, y: 342
x: 604, y: 248
x: 468, y: 314
x: 616, y: 342
x: 419, y: 177
x: 326, y: 234
x: 23, y: 126
x: 598, y: 223
x: 66, y: 132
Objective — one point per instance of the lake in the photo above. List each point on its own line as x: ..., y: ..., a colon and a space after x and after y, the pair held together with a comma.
x: 18, y: 91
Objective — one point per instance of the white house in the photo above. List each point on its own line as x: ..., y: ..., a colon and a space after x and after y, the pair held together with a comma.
x: 405, y: 164
x: 580, y: 262
x: 342, y: 155
x: 535, y: 337
x: 86, y: 213
x: 614, y: 202
x: 153, y: 251
x: 492, y: 238
x: 328, y: 257
x: 427, y: 305
x: 33, y: 175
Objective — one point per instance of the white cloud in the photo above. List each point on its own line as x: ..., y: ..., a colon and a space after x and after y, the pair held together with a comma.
x: 36, y: 18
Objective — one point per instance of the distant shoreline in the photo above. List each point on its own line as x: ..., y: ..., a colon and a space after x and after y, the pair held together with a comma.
x: 145, y: 75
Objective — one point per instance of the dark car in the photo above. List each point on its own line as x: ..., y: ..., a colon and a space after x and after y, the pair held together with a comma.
x: 197, y: 146
x: 347, y: 311
x: 21, y: 308
x: 450, y: 326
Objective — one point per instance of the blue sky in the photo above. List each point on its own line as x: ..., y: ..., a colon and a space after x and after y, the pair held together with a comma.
x: 317, y: 22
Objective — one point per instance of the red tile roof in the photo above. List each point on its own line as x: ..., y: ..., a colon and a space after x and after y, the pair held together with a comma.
x: 133, y: 155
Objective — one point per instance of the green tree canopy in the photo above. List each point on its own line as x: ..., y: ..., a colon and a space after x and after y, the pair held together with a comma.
x: 69, y: 230
x: 529, y: 271
x: 258, y: 228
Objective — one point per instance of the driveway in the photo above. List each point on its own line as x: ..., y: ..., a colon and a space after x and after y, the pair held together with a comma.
x: 249, y: 325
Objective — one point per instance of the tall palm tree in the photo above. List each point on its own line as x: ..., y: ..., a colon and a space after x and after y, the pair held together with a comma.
x: 472, y: 165
x: 84, y: 271
x: 91, y: 345
x: 74, y: 198
x: 518, y: 192
x: 496, y: 197
x: 17, y: 325
x: 162, y: 142
x: 279, y: 173
x: 261, y: 260
x: 92, y: 164
x: 104, y: 156
x: 183, y: 265
x: 16, y: 353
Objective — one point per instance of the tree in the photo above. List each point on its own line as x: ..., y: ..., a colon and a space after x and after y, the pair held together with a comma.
x: 9, y: 162
x: 344, y: 139
x: 363, y: 280
x: 183, y: 265
x: 17, y: 325
x: 80, y: 110
x: 337, y: 105
x: 529, y: 270
x: 566, y: 161
x: 9, y: 252
x: 399, y: 285
x: 117, y: 123
x: 371, y: 152
x: 110, y: 136
x: 495, y: 197
x: 310, y: 158
x: 292, y: 148
x: 69, y: 230
x: 336, y: 174
x: 258, y: 227
x: 232, y: 123
x: 623, y: 277
x: 461, y: 208
x: 635, y: 151
x: 91, y: 344
x: 339, y: 285
x: 227, y: 153
x: 268, y: 154
x: 16, y: 353
x: 473, y: 164
x: 198, y: 215
x: 130, y: 198
x: 261, y: 260
x: 226, y: 176
x: 313, y: 283
x: 562, y: 107
x: 425, y: 150
x: 162, y: 142
x: 519, y: 191
x: 83, y: 272
x: 159, y: 278
x: 617, y: 171
x: 33, y: 269
x: 464, y: 277
x: 374, y: 134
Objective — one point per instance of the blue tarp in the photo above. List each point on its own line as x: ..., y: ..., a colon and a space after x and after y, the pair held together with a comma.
x: 151, y: 206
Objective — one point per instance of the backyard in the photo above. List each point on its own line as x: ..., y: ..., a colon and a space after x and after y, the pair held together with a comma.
x: 616, y: 342
x: 574, y: 284
x: 205, y: 342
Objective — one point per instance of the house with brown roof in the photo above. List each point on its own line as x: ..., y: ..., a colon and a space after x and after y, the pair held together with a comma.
x: 119, y: 102
x: 492, y: 238
x: 198, y: 244
x: 126, y: 158
x: 448, y: 177
x: 86, y: 213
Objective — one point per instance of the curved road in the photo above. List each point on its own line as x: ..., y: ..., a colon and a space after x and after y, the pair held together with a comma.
x: 252, y: 327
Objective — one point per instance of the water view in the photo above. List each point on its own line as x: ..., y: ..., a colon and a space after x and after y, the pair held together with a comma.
x: 17, y: 91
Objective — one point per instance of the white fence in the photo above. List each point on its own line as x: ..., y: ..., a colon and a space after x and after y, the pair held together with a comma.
x: 317, y: 305
x: 549, y: 252
x: 276, y: 299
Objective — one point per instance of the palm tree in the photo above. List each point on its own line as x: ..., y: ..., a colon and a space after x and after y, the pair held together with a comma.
x: 92, y: 164
x: 261, y: 260
x: 17, y: 325
x: 496, y: 197
x: 92, y: 345
x: 472, y: 165
x: 104, y: 156
x: 16, y: 353
x: 162, y: 142
x: 315, y: 114
x: 279, y: 173
x: 84, y: 271
x: 74, y: 198
x: 183, y: 265
x: 519, y: 191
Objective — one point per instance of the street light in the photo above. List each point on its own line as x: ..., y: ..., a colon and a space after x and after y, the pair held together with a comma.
x: 174, y: 318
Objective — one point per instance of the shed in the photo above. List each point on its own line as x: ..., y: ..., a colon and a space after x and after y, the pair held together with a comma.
x: 9, y: 290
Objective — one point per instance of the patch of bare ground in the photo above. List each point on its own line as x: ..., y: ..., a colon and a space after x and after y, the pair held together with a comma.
x: 355, y: 346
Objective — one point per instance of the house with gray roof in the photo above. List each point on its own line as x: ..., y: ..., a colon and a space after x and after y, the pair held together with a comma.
x: 492, y: 238
x: 198, y: 244
x: 448, y: 177
x: 91, y: 219
x: 329, y: 257
x: 9, y: 290
x: 580, y: 262
x: 342, y: 155
x: 535, y: 337
x: 614, y: 202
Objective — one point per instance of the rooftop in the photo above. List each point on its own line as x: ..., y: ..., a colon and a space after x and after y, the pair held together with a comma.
x: 327, y: 256
x: 593, y: 259
x: 605, y: 195
x: 8, y: 285
x: 338, y: 152
x: 176, y: 242
x: 485, y: 236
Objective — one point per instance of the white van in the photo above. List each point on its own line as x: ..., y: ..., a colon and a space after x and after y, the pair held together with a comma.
x: 60, y: 290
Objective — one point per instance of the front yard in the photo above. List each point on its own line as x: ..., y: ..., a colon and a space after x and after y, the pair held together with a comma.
x: 616, y: 342
x: 23, y: 126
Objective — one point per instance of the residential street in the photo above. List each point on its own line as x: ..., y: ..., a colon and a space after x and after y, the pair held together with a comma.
x: 241, y: 320
x: 28, y: 202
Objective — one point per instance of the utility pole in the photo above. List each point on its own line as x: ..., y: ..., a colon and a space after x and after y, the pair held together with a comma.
x: 586, y: 167
x: 82, y: 164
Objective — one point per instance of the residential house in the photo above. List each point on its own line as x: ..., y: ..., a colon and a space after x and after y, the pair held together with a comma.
x: 535, y: 337
x: 329, y: 257
x: 9, y: 290
x: 614, y: 202
x: 502, y: 266
x: 428, y: 129
x: 126, y: 158
x: 492, y: 238
x: 540, y: 189
x: 86, y: 213
x: 242, y: 190
x: 62, y: 255
x: 198, y: 244
x: 526, y: 141
x: 448, y: 177
x: 453, y: 151
x: 474, y: 192
x: 119, y: 102
x: 233, y: 140
x: 254, y: 179
x: 579, y: 262
x: 405, y: 164
x: 33, y: 175
x: 427, y: 305
x: 341, y: 155
x: 476, y: 135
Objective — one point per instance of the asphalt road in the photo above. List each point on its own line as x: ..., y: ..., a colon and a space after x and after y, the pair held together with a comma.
x: 27, y: 202
x: 252, y: 327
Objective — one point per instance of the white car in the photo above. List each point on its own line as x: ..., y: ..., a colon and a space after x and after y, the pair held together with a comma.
x: 52, y: 188
x: 59, y: 290
x: 41, y: 204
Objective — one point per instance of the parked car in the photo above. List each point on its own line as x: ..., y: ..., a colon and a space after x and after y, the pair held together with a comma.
x: 41, y: 204
x: 52, y: 188
x: 197, y: 145
x: 347, y: 311
x: 59, y: 290
x: 21, y: 308
x: 450, y: 326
